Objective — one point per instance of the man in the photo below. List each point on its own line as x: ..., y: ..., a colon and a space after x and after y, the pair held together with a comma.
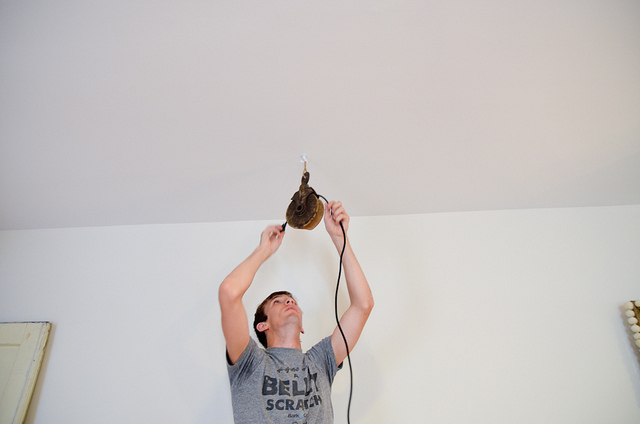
x: 281, y: 384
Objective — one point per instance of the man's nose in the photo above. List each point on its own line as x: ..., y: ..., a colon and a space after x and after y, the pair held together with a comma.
x: 289, y: 301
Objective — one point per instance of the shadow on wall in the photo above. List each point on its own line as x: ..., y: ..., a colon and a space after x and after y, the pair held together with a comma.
x: 391, y: 328
x: 192, y: 346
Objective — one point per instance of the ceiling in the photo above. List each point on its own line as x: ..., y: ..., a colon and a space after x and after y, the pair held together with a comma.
x: 137, y: 112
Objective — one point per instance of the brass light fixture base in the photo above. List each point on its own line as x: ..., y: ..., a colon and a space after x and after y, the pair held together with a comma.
x: 306, y: 209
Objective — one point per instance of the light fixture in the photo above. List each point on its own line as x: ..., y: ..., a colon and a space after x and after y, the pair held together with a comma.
x: 306, y: 209
x: 632, y: 312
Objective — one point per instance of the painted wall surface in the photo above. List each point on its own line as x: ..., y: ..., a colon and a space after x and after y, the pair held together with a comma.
x: 483, y: 317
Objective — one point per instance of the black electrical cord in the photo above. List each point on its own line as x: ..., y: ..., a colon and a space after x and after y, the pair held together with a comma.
x: 344, y: 338
x: 340, y: 328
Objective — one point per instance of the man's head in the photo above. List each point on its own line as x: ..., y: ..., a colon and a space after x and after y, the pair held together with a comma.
x: 276, y: 301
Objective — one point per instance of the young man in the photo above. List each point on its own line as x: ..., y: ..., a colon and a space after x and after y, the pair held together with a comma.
x: 281, y: 384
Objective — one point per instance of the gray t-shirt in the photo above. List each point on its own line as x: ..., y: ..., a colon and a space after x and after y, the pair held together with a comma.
x: 283, y: 386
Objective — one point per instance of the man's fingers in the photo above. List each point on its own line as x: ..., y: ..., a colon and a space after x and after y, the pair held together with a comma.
x: 337, y: 213
x: 275, y: 231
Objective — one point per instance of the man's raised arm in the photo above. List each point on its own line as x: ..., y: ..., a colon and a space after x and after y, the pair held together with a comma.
x: 360, y: 296
x: 234, y: 318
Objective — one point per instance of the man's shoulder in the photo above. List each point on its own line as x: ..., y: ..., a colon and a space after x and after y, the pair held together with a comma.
x: 250, y: 352
x: 322, y: 351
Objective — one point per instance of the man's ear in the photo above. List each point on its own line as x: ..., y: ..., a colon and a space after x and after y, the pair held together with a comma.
x: 262, y: 326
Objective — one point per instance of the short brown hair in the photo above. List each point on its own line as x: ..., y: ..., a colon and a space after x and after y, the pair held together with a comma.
x: 260, y: 316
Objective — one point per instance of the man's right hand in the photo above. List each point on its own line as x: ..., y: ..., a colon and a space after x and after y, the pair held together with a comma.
x: 271, y: 239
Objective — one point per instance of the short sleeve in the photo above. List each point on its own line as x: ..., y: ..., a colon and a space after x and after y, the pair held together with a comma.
x: 323, y: 353
x: 251, y: 356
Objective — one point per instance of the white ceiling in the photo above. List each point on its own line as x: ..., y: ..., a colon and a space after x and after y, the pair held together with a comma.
x: 142, y: 112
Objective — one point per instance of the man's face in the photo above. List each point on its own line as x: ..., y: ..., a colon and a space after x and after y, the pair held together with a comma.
x: 283, y: 308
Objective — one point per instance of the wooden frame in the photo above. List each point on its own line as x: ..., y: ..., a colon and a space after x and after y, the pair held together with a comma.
x: 22, y: 347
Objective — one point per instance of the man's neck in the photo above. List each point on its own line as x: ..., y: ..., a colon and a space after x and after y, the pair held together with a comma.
x: 290, y: 340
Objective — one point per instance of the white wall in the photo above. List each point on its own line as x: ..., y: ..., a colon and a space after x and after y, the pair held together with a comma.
x: 485, y: 317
